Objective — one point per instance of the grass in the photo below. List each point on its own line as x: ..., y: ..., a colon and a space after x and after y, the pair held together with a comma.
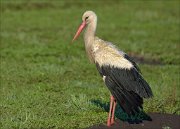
x: 47, y: 82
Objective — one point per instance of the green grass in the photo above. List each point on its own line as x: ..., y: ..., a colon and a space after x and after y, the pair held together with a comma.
x: 47, y: 82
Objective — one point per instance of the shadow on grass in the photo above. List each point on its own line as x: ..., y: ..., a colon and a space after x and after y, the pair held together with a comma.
x: 120, y: 114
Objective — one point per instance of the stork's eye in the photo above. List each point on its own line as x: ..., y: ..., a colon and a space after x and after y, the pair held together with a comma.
x: 86, y: 18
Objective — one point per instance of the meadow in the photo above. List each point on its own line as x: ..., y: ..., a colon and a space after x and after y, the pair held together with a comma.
x: 47, y: 82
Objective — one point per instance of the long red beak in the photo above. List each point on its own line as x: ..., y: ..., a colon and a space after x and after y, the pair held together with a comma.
x: 81, y: 27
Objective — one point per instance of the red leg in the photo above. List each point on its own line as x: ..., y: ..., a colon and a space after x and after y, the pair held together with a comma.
x: 110, y: 111
x: 113, y: 112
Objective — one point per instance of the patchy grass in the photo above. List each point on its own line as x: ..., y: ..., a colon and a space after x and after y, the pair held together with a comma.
x: 46, y: 82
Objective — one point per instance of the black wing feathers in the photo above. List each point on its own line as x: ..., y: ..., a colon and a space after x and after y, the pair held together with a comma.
x: 129, y: 101
x: 127, y: 86
x: 131, y: 80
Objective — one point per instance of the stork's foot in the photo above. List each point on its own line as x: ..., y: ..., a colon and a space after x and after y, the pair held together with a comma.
x: 109, y: 122
x: 112, y: 121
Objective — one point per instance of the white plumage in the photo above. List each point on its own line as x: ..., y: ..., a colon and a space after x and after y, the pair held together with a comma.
x: 105, y: 53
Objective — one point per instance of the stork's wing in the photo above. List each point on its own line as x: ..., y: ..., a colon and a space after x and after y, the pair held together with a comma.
x: 126, y: 85
x: 121, y: 75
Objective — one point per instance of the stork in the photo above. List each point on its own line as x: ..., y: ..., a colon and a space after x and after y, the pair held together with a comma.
x: 119, y: 72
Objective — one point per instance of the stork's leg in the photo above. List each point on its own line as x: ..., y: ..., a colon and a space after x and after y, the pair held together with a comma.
x: 110, y: 111
x: 113, y: 112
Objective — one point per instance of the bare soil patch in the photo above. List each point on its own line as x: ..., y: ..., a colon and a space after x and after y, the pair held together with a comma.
x: 159, y: 121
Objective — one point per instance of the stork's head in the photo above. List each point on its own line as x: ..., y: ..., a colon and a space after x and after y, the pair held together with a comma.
x: 87, y: 18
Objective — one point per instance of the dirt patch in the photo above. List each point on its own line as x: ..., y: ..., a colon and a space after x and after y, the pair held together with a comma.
x: 159, y: 121
x: 143, y: 60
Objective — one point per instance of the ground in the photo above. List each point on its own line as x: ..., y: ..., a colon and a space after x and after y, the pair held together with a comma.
x: 159, y: 121
x: 47, y: 82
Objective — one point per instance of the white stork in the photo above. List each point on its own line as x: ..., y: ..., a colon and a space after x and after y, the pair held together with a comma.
x: 119, y: 72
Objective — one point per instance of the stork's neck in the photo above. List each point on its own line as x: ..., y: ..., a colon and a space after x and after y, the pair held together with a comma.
x: 90, y: 32
x: 89, y: 37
